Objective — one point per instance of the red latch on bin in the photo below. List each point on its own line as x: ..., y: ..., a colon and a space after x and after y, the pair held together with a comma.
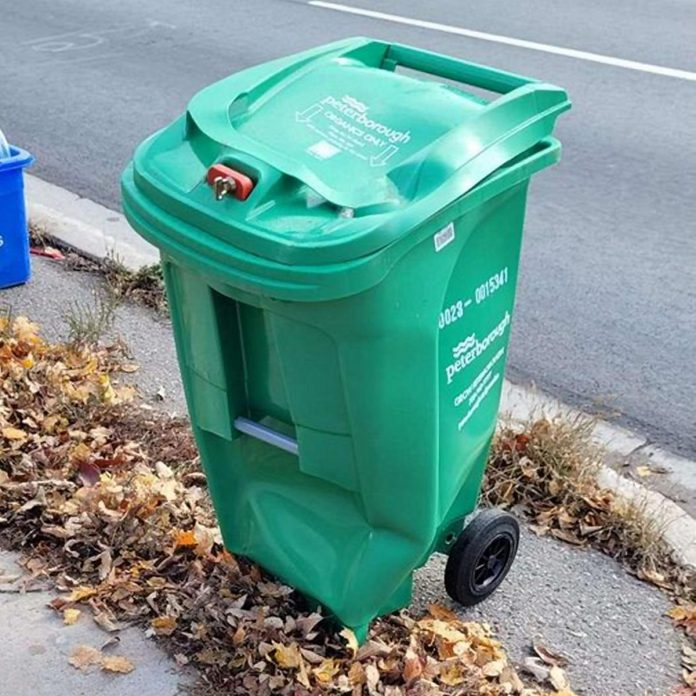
x: 227, y: 181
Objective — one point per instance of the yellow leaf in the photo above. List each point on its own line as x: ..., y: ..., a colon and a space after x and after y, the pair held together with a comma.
x: 326, y: 671
x: 70, y: 616
x: 27, y: 362
x: 287, y: 656
x: 80, y: 453
x: 494, y: 668
x: 643, y: 471
x: 81, y: 593
x: 14, y: 433
x: 84, y: 656
x: 351, y: 640
x: 117, y: 663
x: 682, y: 612
x: 25, y: 330
x: 451, y: 674
x: 164, y: 625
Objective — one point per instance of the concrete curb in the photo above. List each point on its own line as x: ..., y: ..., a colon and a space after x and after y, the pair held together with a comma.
x: 85, y: 226
x: 99, y: 233
x: 679, y: 528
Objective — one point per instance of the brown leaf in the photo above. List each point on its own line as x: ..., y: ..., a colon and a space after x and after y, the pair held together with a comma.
x: 356, y: 674
x: 547, y: 655
x: 684, y: 615
x: 89, y: 473
x: 164, y: 625
x: 413, y: 666
x: 106, y: 622
x: 437, y: 611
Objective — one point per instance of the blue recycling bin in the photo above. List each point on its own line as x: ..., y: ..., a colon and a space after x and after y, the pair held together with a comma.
x: 14, y: 236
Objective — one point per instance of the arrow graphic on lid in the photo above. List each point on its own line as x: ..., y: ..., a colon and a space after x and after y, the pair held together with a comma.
x: 381, y: 158
x: 306, y: 115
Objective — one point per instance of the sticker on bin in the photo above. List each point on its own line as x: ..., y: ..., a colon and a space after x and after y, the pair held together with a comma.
x: 444, y: 237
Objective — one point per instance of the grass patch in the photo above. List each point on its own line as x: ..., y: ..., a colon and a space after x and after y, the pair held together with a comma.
x: 145, y: 286
x: 547, y: 470
x: 91, y: 321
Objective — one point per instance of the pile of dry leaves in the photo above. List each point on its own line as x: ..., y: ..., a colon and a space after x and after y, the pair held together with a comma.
x: 548, y: 472
x: 104, y: 497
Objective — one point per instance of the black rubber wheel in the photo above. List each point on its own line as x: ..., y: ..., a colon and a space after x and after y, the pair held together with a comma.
x: 481, y: 556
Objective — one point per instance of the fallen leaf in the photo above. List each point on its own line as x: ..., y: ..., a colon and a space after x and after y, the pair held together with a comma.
x: 351, y: 640
x: 548, y: 656
x: 356, y: 674
x: 185, y: 539
x: 89, y: 473
x: 494, y: 668
x: 117, y: 663
x: 106, y: 622
x: 451, y: 674
x: 14, y: 433
x: 84, y: 656
x: 537, y: 668
x: 684, y: 615
x: 287, y: 656
x: 558, y: 679
x: 70, y: 616
x: 437, y: 611
x: 413, y: 666
x: 164, y: 625
x: 81, y: 593
x: 644, y: 471
x: 326, y: 671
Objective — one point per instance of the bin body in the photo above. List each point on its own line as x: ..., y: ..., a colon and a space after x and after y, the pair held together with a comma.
x: 385, y: 367
x: 14, y: 239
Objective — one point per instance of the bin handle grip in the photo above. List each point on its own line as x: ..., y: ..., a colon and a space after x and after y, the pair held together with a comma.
x: 462, y: 71
x: 505, y: 128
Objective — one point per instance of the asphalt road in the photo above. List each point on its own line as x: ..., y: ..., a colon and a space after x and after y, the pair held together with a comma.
x: 606, y: 312
x: 612, y: 627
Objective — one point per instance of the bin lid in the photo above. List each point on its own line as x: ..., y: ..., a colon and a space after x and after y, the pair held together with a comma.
x: 344, y: 153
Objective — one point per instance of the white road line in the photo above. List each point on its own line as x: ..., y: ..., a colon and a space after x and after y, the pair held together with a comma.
x: 509, y: 41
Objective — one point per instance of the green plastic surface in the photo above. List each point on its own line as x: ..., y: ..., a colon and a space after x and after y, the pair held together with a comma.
x: 358, y: 301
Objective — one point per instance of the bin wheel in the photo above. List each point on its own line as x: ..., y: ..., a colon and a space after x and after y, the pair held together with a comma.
x: 481, y: 556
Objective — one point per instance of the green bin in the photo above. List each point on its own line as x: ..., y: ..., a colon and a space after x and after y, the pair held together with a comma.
x: 340, y: 242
